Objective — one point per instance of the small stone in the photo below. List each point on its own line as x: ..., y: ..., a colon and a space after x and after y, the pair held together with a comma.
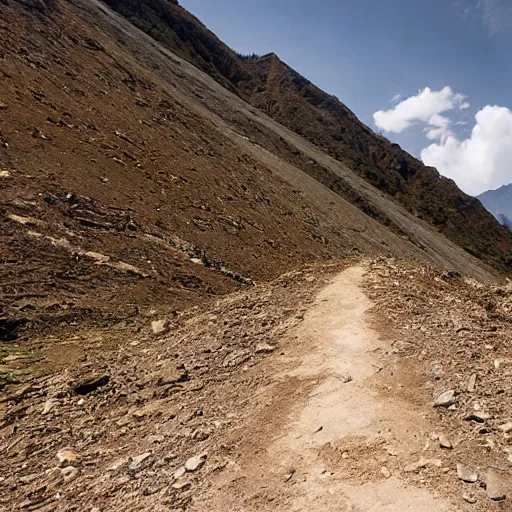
x: 467, y: 474
x: 264, y: 348
x: 27, y: 479
x: 3, y: 106
x: 444, y: 442
x: 67, y: 457
x: 179, y: 472
x: 135, y: 462
x: 195, y: 463
x: 345, y: 377
x: 156, y: 439
x: 392, y: 452
x: 48, y: 406
x: 467, y: 496
x: 478, y: 417
x: 506, y: 427
x: 422, y: 463
x: 289, y: 475
x: 384, y: 471
x: 159, y: 327
x: 472, y: 383
x: 80, y: 402
x: 345, y: 455
x: 446, y: 399
x: 180, y: 486
x: 437, y: 370
x: 497, y: 485
x: 69, y: 473
x: 95, y: 509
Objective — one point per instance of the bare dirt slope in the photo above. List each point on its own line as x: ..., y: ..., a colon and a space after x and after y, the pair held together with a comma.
x: 132, y: 181
x: 314, y: 392
x: 270, y: 85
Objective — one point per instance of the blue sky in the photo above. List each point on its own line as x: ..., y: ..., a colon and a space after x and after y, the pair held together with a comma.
x: 368, y: 51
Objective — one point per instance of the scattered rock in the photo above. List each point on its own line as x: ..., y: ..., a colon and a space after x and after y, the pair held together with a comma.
x: 497, y: 485
x: 69, y: 473
x: 159, y: 327
x: 156, y: 439
x: 27, y: 479
x: 180, y: 486
x: 135, y: 462
x: 472, y: 383
x: 344, y: 377
x: 172, y: 375
x: 67, y: 457
x: 264, y: 348
x: 3, y: 106
x: 444, y: 442
x: 422, y: 463
x: 4, y: 173
x: 91, y: 384
x: 181, y: 471
x: 289, y: 475
x: 392, y: 452
x: 236, y: 358
x: 446, y: 399
x: 478, y: 417
x: 48, y: 406
x: 467, y: 474
x: 195, y: 463
x: 437, y: 370
x: 469, y: 497
x: 384, y: 471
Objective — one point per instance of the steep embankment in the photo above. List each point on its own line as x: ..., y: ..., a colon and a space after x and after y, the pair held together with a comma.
x: 131, y: 180
x: 275, y: 88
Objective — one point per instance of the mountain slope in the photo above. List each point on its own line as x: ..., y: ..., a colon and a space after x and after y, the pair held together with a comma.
x: 272, y: 86
x: 499, y: 203
x: 133, y: 184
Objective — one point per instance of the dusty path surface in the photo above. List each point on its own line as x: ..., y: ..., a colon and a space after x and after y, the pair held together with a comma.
x: 313, y: 392
x: 301, y: 458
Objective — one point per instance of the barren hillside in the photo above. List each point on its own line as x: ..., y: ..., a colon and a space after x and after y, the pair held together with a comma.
x: 202, y: 310
x: 131, y: 180
x: 270, y: 85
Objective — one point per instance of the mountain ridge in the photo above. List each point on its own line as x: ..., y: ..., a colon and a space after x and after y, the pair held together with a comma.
x: 499, y: 203
x: 272, y: 86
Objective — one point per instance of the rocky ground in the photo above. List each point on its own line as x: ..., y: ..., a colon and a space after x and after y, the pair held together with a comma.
x: 271, y: 398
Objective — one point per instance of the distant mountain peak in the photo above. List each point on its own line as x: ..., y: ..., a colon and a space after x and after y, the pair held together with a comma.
x: 499, y: 203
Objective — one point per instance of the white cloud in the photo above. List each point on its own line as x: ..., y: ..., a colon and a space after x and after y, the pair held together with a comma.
x: 425, y: 107
x: 481, y: 162
x: 396, y: 98
x: 421, y: 107
x: 438, y: 127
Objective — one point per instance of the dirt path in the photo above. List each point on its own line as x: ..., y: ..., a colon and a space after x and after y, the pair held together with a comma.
x: 328, y: 440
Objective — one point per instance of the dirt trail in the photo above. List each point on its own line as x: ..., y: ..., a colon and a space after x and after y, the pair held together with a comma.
x: 329, y: 414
